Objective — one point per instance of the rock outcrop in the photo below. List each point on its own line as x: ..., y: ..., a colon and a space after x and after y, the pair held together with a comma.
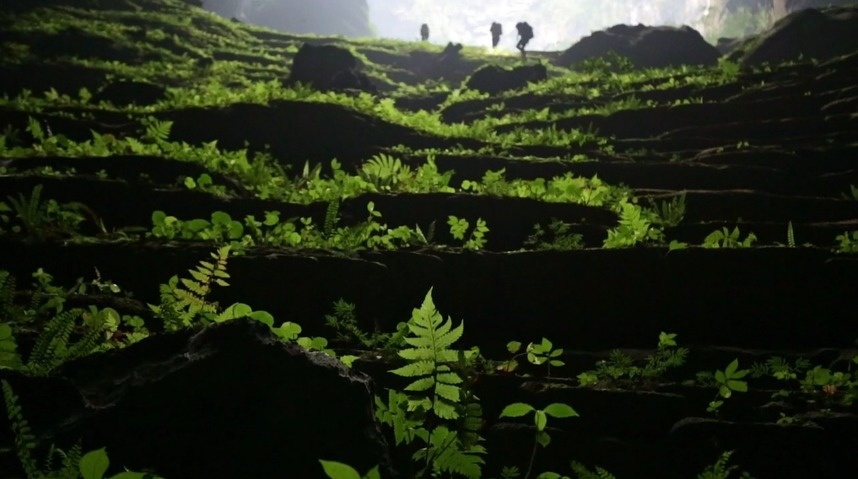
x: 229, y: 401
x: 645, y: 46
x: 819, y: 34
x: 328, y: 67
x: 493, y: 79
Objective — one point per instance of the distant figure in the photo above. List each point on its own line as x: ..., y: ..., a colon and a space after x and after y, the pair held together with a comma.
x: 525, y: 34
x: 497, y: 31
x: 424, y: 32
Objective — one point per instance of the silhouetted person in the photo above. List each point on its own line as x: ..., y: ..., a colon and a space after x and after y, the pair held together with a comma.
x: 424, y: 32
x: 525, y: 34
x: 497, y: 31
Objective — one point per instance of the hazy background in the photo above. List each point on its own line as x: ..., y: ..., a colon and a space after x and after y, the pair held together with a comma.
x: 557, y: 24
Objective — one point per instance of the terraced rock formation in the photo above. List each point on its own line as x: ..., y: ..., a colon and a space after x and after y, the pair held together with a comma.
x: 620, y: 207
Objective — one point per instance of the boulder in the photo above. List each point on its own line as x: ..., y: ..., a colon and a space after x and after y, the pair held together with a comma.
x: 493, y: 79
x: 818, y: 34
x: 646, y: 47
x: 326, y: 68
x: 229, y: 401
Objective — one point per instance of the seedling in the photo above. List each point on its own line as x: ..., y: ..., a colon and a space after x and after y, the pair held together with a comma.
x: 537, y: 354
x: 540, y: 420
x: 728, y: 381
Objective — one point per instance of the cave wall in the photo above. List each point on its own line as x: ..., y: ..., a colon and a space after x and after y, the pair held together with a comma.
x: 349, y: 18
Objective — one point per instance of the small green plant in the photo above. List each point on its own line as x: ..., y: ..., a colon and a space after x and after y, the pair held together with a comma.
x: 540, y: 420
x: 671, y: 212
x: 41, y: 220
x: 560, y: 237
x: 724, y: 238
x: 343, y: 320
x: 459, y: 229
x: 847, y: 242
x: 541, y: 353
x: 621, y: 368
x: 636, y: 227
x: 728, y: 381
x: 852, y: 195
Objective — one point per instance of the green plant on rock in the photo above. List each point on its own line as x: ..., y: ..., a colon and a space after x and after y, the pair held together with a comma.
x: 41, y: 220
x: 560, y: 238
x: 671, y: 212
x: 434, y: 402
x: 728, y: 381
x: 343, y: 320
x: 621, y: 368
x: 582, y: 472
x: 459, y: 229
x: 724, y: 238
x: 540, y: 420
x: 538, y: 354
x: 847, y: 242
x: 73, y: 464
x: 636, y: 227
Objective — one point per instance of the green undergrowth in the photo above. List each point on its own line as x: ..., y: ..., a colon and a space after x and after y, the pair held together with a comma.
x: 436, y: 417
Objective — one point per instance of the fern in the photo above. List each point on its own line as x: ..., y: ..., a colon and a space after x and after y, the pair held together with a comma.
x: 25, y: 441
x: 720, y: 470
x: 790, y: 236
x: 430, y: 361
x: 182, y: 305
x: 582, y: 472
x: 384, y: 171
x: 331, y: 218
x: 51, y: 347
x: 446, y: 455
x: 7, y: 296
x: 156, y: 131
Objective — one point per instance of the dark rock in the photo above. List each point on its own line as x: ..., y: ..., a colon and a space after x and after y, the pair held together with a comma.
x: 646, y: 47
x: 767, y: 450
x: 493, y: 79
x: 426, y: 102
x: 130, y: 93
x: 328, y: 67
x: 818, y: 34
x: 229, y: 401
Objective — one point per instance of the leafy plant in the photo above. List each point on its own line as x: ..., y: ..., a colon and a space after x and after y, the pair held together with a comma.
x: 41, y: 220
x: 671, y: 212
x: 721, y: 470
x: 434, y: 398
x: 540, y: 420
x: 537, y: 354
x: 635, y: 227
x: 560, y: 238
x: 724, y: 238
x: 459, y: 228
x: 728, y: 381
x: 581, y: 472
x: 847, y: 242
x: 621, y: 367
x: 338, y: 470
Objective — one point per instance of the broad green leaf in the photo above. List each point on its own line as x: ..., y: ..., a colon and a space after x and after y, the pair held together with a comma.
x: 94, y: 464
x: 560, y: 410
x: 514, y: 346
x: 738, y: 386
x: 516, y: 410
x: 731, y: 368
x: 338, y: 470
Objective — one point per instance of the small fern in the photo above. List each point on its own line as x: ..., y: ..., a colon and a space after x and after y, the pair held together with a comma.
x: 25, y: 441
x: 331, y: 218
x: 7, y: 295
x: 721, y: 470
x: 184, y: 304
x: 156, y: 131
x: 52, y: 345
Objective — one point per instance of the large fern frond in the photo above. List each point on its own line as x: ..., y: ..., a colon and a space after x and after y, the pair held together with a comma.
x: 437, y: 384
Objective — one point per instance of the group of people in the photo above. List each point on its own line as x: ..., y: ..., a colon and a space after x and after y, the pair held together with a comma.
x: 525, y: 34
